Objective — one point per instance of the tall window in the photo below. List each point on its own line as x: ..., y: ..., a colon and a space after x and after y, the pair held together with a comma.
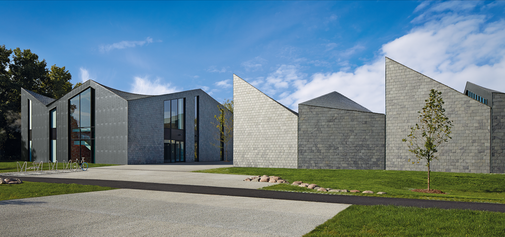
x: 52, y: 135
x: 196, y: 128
x: 30, y: 148
x: 82, y: 126
x: 174, y: 131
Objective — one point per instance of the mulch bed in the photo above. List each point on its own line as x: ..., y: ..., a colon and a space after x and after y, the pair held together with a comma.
x: 428, y: 191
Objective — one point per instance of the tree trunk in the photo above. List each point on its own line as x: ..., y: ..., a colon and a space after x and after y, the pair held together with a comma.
x: 428, y: 176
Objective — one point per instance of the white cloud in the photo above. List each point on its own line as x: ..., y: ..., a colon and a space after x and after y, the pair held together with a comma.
x: 280, y: 80
x: 452, y: 48
x: 84, y: 74
x: 124, y: 44
x: 254, y: 64
x: 147, y: 87
x: 224, y: 83
x: 214, y: 69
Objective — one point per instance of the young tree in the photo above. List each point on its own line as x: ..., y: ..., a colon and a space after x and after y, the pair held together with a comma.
x: 225, y: 125
x: 433, y: 129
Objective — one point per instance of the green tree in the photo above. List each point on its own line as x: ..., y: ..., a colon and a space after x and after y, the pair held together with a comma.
x: 224, y: 124
x: 433, y: 129
x: 24, y: 69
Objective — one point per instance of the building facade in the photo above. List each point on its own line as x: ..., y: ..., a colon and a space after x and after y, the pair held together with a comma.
x: 334, y: 132
x: 104, y: 125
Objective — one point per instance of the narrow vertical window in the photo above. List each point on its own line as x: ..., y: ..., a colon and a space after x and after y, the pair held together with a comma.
x: 196, y: 128
x: 30, y: 148
x: 52, y: 135
x: 174, y: 131
x: 82, y: 126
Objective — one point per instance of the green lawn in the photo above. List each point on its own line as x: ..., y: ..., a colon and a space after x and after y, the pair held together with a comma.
x: 457, y: 186
x: 36, y: 189
x: 380, y: 220
x: 11, y: 166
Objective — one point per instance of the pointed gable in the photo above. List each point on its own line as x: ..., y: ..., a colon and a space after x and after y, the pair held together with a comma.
x: 335, y: 100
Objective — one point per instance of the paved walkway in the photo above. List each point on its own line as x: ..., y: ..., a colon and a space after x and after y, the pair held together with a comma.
x: 168, y: 200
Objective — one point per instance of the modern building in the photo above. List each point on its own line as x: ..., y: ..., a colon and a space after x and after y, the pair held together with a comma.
x: 334, y: 132
x: 328, y: 132
x: 105, y: 125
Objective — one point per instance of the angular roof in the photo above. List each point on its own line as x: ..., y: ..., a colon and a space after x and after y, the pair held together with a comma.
x: 43, y: 99
x: 124, y: 95
x: 335, y: 100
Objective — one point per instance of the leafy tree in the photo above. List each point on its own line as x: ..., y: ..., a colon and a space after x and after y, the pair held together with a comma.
x: 225, y: 125
x: 433, y: 129
x: 24, y: 69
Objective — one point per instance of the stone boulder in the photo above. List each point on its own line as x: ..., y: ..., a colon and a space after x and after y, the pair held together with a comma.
x: 304, y: 185
x: 281, y: 181
x: 354, y: 191
x: 12, y: 181
x: 297, y: 183
x: 322, y: 190
x: 275, y: 178
x: 368, y: 191
x: 344, y: 190
x: 334, y: 190
x: 264, y: 178
x: 312, y: 186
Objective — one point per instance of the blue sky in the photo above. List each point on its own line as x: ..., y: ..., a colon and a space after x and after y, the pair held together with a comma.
x: 291, y: 50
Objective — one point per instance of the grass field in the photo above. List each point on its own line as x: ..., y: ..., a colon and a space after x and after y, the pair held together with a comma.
x: 457, y: 186
x: 379, y: 220
x: 11, y: 166
x: 36, y: 189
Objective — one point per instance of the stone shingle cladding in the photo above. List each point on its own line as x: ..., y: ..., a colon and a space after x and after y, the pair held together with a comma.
x: 498, y: 134
x: 406, y: 91
x: 145, y: 128
x: 126, y: 131
x: 265, y: 132
x: 331, y: 138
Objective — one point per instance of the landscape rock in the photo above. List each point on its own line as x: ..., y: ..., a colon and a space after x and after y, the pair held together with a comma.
x: 247, y: 179
x: 272, y: 180
x: 264, y: 178
x: 354, y: 191
x: 368, y: 191
x: 312, y: 186
x: 281, y: 181
x: 334, y: 190
x: 304, y: 185
x: 344, y: 190
x: 297, y: 183
x: 322, y: 190
x: 381, y: 192
x: 12, y: 181
x: 255, y: 179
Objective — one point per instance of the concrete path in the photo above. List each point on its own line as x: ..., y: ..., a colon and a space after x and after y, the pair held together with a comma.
x: 179, y: 173
x: 127, y: 212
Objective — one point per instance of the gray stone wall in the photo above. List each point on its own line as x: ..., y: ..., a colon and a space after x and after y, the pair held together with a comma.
x: 111, y: 127
x: 340, y: 139
x: 145, y: 128
x: 498, y: 134
x: 40, y: 131
x: 265, y: 132
x: 406, y: 90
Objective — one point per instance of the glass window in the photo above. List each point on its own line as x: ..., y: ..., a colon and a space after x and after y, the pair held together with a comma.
x: 175, y: 123
x: 180, y: 113
x: 85, y: 108
x: 53, y: 118
x: 74, y: 112
x: 166, y: 114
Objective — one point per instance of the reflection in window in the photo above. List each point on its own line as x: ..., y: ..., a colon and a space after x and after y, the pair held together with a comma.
x: 81, y: 117
x: 30, y: 148
x: 174, y: 132
x: 52, y: 135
